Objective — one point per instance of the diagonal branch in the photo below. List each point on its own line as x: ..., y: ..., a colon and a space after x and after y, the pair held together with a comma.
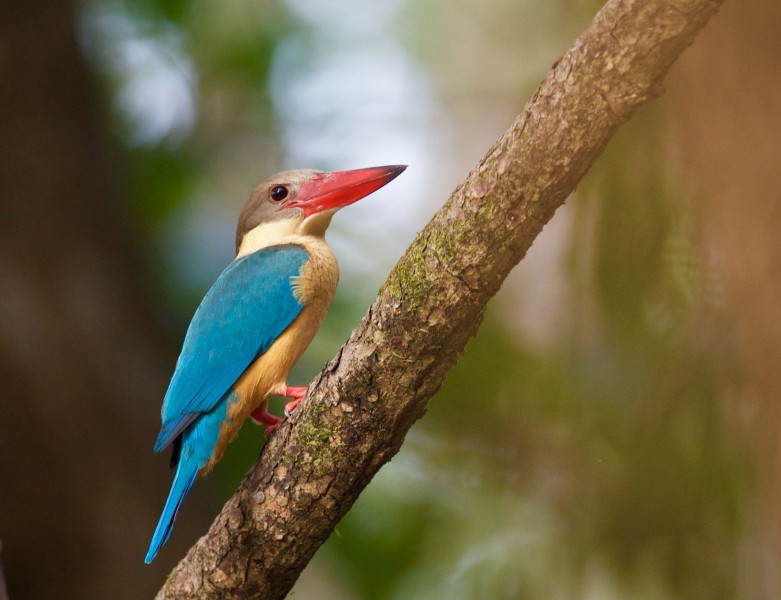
x: 363, y: 403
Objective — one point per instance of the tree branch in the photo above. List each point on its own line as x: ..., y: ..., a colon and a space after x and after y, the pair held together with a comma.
x: 363, y: 403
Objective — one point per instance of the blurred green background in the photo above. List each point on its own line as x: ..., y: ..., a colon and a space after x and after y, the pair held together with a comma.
x: 610, y: 433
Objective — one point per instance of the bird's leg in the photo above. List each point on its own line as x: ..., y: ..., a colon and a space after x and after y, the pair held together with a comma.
x: 296, y: 392
x: 261, y: 416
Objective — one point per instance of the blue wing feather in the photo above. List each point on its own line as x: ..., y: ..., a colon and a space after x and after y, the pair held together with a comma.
x: 244, y: 312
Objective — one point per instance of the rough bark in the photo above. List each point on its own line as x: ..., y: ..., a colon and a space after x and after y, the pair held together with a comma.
x: 365, y: 400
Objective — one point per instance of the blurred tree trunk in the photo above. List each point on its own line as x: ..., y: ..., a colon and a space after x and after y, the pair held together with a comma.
x: 83, y: 362
x: 734, y: 144
x: 3, y: 589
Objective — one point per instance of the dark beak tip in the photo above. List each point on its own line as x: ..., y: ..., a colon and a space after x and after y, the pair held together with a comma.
x: 394, y: 170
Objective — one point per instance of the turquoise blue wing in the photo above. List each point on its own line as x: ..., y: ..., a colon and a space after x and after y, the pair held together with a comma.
x: 244, y: 312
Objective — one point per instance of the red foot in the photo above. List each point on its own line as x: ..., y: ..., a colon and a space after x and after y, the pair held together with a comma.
x: 261, y: 416
x: 289, y: 391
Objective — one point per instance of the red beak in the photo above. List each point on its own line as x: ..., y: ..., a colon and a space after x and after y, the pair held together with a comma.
x: 335, y: 190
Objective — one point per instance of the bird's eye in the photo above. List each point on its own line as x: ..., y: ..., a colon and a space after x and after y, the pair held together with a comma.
x: 278, y: 193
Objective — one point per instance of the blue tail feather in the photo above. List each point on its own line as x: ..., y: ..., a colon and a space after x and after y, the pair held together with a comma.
x: 186, y: 472
x: 197, y: 444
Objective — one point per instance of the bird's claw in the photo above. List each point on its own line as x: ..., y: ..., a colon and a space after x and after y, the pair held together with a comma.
x: 261, y: 416
x: 290, y: 406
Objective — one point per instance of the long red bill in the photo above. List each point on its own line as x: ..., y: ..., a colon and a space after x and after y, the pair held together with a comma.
x: 334, y: 190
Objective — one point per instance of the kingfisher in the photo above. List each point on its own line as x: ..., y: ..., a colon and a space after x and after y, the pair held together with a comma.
x: 255, y: 322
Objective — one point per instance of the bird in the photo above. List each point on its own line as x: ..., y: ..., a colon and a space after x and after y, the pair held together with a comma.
x: 255, y: 322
